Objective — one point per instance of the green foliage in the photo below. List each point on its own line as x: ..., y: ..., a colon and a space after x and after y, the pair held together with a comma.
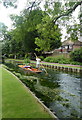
x: 73, y: 31
x: 66, y: 104
x: 11, y: 45
x: 17, y: 20
x: 26, y: 61
x: 76, y: 55
x: 49, y: 84
x: 57, y: 8
x: 25, y: 31
x: 75, y: 63
x: 62, y: 60
x: 3, y: 28
x: 29, y: 41
x: 21, y: 98
x: 9, y: 3
x: 49, y: 35
x: 41, y: 57
x: 11, y: 56
x: 34, y: 29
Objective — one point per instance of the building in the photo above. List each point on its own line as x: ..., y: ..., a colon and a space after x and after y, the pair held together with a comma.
x: 68, y: 46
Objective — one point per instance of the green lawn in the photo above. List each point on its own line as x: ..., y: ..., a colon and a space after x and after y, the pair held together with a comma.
x: 0, y: 93
x: 18, y: 102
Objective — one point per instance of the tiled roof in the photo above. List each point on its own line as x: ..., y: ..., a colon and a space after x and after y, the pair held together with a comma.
x: 69, y: 42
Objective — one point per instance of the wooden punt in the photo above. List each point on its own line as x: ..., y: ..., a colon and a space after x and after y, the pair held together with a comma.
x: 30, y: 69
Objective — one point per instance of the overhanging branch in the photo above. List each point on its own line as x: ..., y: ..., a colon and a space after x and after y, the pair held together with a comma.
x: 33, y: 4
x: 67, y: 12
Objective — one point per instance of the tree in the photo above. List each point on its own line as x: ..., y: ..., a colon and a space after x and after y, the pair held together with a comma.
x: 25, y: 28
x: 3, y: 30
x: 68, y: 11
x: 37, y: 29
x: 11, y: 46
x: 49, y: 35
x: 3, y: 36
x: 61, y: 13
x: 74, y: 32
x: 76, y: 55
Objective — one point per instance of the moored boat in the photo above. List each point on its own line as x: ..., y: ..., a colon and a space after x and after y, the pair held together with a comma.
x: 30, y: 69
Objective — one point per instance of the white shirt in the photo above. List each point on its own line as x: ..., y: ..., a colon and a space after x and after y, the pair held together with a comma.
x: 38, y: 60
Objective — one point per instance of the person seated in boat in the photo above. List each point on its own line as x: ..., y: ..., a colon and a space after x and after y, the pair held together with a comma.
x: 38, y: 62
x: 27, y: 67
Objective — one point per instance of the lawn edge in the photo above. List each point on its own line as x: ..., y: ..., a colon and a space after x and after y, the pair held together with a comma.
x: 38, y: 100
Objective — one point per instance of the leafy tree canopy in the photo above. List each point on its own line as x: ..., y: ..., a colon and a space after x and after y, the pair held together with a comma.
x: 49, y: 35
x: 40, y: 29
x: 3, y: 30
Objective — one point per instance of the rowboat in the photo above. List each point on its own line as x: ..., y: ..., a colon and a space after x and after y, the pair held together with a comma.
x: 29, y: 69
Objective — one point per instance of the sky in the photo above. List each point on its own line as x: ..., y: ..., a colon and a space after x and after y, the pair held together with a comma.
x: 5, y: 12
x: 75, y: 15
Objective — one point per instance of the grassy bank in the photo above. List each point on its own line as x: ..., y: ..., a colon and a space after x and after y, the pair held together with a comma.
x: 55, y: 64
x: 18, y: 101
x: 0, y: 93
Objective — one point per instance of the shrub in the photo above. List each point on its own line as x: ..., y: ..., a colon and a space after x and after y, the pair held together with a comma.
x: 60, y: 60
x: 41, y: 57
x: 26, y: 61
x: 76, y: 55
x: 76, y: 59
x: 75, y: 63
x: 47, y: 59
x: 11, y: 56
x: 64, y: 61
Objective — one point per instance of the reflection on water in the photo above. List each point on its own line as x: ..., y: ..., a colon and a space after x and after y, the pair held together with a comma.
x: 64, y: 90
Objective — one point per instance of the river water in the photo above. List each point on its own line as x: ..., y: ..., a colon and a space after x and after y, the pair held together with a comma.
x: 60, y: 91
x: 64, y: 91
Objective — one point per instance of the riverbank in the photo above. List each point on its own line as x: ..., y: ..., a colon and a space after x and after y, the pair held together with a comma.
x: 63, y: 67
x: 59, y: 91
x: 18, y: 102
x: 47, y: 63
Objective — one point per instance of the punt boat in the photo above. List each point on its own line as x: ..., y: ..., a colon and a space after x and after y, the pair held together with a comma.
x: 29, y: 69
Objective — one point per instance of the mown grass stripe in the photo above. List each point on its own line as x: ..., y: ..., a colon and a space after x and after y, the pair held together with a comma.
x: 0, y: 92
x: 17, y: 100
